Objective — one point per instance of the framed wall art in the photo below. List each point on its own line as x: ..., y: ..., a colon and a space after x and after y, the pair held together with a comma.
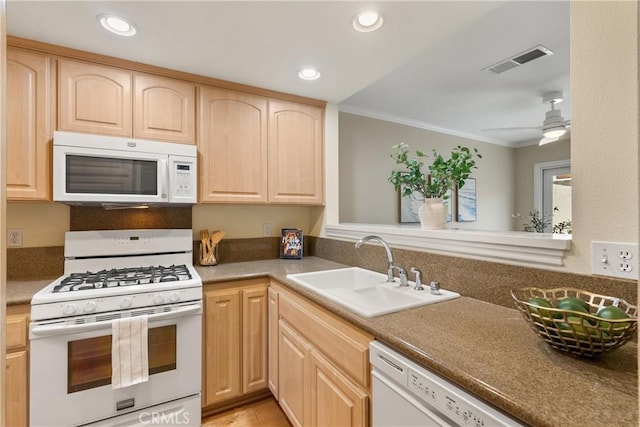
x: 291, y: 243
x: 408, y: 206
x: 466, y: 206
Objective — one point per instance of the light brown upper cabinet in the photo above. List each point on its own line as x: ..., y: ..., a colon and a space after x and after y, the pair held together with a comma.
x: 296, y: 165
x: 164, y: 109
x: 30, y: 119
x: 94, y: 99
x: 259, y: 150
x: 232, y: 143
x: 113, y: 101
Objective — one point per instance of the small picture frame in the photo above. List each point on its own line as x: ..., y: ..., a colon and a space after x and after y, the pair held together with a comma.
x: 291, y: 243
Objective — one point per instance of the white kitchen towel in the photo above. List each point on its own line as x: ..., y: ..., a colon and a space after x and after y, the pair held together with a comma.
x: 129, y: 352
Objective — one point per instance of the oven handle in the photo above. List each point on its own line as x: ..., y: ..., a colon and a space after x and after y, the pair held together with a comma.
x: 58, y: 328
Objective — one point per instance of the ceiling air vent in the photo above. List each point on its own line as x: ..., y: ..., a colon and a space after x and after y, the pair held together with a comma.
x: 519, y: 59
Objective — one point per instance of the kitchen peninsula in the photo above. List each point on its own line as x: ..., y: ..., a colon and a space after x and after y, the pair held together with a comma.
x: 485, y: 348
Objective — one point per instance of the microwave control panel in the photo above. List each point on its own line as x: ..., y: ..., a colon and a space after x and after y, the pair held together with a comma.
x: 183, y: 180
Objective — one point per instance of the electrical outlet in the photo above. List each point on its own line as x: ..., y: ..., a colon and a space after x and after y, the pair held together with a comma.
x: 14, y: 237
x: 625, y: 267
x: 266, y: 230
x: 615, y: 259
x: 622, y: 254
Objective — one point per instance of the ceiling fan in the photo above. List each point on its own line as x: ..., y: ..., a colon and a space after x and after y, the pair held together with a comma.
x: 554, y: 127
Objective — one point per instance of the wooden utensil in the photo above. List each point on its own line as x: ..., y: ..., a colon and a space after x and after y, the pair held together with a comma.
x: 206, y: 249
x: 216, y: 237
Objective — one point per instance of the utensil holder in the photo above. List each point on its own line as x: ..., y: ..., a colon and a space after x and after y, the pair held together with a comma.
x: 208, y: 258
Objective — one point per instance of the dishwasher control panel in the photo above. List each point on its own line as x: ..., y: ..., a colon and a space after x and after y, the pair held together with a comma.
x: 433, y: 393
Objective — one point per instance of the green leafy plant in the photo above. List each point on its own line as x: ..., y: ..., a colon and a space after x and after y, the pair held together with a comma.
x: 537, y: 222
x: 443, y: 175
x: 563, y: 227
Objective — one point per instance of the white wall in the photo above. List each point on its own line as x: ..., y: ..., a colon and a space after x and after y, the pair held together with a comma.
x: 604, y: 144
x: 366, y: 196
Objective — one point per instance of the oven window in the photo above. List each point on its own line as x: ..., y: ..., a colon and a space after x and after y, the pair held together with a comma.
x: 103, y: 175
x: 89, y: 360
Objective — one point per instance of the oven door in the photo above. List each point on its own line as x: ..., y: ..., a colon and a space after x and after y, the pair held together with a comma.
x: 95, y: 175
x: 70, y: 380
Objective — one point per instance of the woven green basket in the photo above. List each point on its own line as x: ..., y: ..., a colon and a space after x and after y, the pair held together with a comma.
x: 575, y: 332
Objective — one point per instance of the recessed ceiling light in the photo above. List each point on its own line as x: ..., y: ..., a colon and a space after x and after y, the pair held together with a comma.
x: 309, y: 74
x: 117, y: 25
x: 368, y: 21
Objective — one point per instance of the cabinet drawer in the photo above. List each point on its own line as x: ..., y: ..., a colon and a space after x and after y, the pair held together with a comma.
x: 346, y: 345
x: 17, y: 327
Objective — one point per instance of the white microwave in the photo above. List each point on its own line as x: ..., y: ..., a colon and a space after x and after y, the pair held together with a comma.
x: 122, y: 172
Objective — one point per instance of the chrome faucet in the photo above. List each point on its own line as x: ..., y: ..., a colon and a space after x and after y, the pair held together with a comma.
x: 390, y: 266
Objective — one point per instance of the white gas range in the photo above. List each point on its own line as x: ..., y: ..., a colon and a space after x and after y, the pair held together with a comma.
x: 109, y: 275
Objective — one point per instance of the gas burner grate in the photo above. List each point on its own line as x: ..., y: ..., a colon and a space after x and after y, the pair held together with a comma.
x: 123, y: 277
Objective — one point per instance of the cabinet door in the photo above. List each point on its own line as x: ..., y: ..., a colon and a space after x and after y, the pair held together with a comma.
x: 296, y: 165
x: 30, y: 117
x: 94, y: 99
x: 164, y: 109
x: 335, y: 399
x: 232, y: 142
x: 254, y: 340
x: 221, y: 356
x: 293, y: 371
x: 17, y: 389
x: 273, y: 341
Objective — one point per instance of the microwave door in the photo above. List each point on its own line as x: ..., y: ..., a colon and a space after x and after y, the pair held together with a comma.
x: 104, y: 176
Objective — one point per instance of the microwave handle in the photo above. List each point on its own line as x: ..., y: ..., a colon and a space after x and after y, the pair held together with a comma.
x: 164, y: 179
x: 55, y: 329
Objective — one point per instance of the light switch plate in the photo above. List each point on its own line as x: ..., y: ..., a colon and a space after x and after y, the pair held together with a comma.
x: 615, y: 259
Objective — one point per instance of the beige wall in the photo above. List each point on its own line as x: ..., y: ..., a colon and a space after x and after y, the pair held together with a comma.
x: 366, y: 196
x: 604, y: 144
x: 241, y: 222
x: 43, y: 224
x: 525, y: 159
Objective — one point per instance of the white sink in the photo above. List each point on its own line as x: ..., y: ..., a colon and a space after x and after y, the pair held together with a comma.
x: 367, y: 292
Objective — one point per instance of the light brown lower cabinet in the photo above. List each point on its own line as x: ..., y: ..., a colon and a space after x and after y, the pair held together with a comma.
x: 17, y: 366
x: 234, y: 340
x: 322, y: 374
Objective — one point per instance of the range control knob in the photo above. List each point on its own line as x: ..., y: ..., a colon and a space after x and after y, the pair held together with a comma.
x: 158, y: 299
x: 89, y: 306
x: 174, y: 296
x: 125, y: 302
x: 69, y: 309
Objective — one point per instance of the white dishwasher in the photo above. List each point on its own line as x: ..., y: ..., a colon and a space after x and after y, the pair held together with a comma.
x: 406, y: 394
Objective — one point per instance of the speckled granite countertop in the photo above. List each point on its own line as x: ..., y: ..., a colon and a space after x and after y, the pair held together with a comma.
x: 487, y: 349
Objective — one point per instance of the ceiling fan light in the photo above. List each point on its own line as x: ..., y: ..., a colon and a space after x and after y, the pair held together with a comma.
x: 555, y: 132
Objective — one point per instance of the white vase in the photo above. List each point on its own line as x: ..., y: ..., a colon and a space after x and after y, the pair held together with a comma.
x: 433, y: 214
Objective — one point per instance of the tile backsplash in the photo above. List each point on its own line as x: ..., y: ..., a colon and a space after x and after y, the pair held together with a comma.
x: 84, y: 218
